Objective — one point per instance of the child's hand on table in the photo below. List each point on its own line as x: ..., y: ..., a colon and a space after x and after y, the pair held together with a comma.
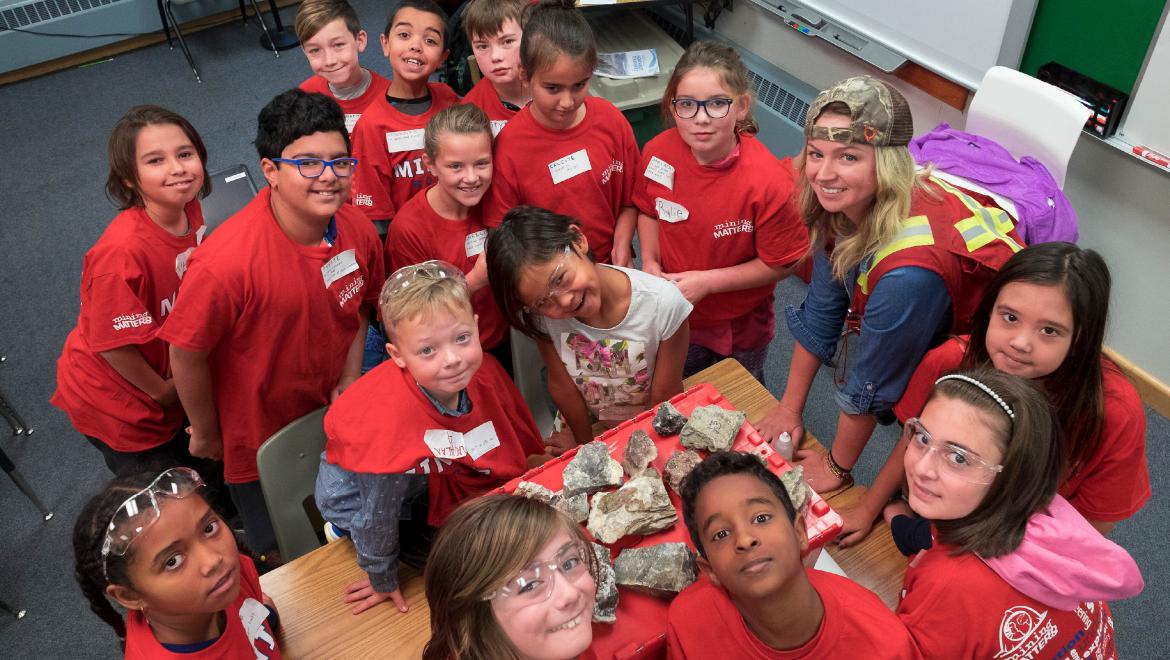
x: 364, y: 596
x: 560, y: 441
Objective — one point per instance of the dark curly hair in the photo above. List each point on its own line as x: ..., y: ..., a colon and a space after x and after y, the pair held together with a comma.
x: 294, y: 114
x: 721, y: 464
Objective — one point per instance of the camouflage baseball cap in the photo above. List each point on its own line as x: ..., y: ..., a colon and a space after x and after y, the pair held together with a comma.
x: 879, y: 113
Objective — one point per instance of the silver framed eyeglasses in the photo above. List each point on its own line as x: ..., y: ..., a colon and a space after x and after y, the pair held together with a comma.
x: 957, y: 461
x: 716, y: 108
x: 312, y: 168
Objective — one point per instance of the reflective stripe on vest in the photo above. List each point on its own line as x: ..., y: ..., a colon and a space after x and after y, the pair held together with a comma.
x: 915, y: 232
x: 985, y: 224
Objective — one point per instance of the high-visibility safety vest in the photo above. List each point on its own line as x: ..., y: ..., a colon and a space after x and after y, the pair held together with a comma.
x: 963, y: 239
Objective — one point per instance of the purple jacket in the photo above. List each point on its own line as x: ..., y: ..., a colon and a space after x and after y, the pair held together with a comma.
x: 1045, y: 214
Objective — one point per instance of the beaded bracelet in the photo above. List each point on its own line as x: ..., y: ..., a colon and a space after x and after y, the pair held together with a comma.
x: 837, y: 470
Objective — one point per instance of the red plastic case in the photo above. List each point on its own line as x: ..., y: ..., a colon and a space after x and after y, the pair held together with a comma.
x: 640, y: 630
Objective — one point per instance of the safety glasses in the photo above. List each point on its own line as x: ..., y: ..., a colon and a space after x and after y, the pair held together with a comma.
x: 141, y: 510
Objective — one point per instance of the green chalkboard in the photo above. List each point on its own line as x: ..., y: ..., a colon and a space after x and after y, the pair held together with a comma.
x: 1106, y: 41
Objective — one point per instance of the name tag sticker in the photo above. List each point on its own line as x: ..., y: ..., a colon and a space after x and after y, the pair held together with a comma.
x: 670, y: 211
x: 570, y: 166
x: 400, y: 141
x: 480, y: 440
x: 200, y: 234
x: 660, y: 171
x: 473, y: 244
x: 498, y: 125
x: 445, y: 443
x: 351, y: 121
x: 338, y: 267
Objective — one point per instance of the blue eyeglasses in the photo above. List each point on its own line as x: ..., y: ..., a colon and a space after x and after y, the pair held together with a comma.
x: 312, y: 168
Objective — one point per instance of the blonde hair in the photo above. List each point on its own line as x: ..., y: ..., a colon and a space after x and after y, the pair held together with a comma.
x: 485, y: 543
x: 732, y: 73
x: 314, y: 15
x: 462, y: 119
x: 897, y: 179
x: 421, y: 296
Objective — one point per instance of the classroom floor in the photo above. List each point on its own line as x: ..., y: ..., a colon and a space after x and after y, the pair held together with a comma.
x: 51, y: 186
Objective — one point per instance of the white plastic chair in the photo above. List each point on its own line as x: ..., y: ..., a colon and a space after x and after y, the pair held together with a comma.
x: 1028, y: 118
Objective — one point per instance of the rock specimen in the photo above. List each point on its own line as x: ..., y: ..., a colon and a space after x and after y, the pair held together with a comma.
x: 576, y: 507
x: 678, y: 466
x: 641, y: 506
x: 661, y: 570
x: 591, y: 470
x: 711, y: 428
x: 668, y: 420
x: 797, y: 488
x: 535, y: 491
x: 639, y: 453
x: 605, y: 607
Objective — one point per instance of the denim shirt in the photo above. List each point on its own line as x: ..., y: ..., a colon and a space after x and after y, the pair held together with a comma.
x: 369, y: 507
x: 908, y: 312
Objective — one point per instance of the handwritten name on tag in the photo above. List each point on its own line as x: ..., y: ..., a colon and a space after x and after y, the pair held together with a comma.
x: 473, y: 244
x: 660, y: 171
x: 338, y: 267
x: 399, y: 141
x: 480, y: 440
x: 498, y: 125
x: 351, y: 121
x: 570, y: 166
x: 670, y: 211
x: 445, y: 443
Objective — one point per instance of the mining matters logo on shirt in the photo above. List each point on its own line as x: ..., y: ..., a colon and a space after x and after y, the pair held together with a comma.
x: 1024, y: 632
x: 740, y: 226
x: 132, y: 320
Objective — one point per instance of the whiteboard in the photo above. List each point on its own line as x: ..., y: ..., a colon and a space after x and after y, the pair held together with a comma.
x: 1147, y: 123
x: 956, y: 39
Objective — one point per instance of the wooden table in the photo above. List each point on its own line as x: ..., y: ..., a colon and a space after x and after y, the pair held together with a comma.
x: 315, y: 623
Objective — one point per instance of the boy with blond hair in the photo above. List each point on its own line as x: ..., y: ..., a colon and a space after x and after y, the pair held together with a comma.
x: 332, y: 38
x: 493, y: 29
x: 438, y: 424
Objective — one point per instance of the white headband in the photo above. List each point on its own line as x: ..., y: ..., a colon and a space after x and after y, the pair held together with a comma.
x: 990, y: 392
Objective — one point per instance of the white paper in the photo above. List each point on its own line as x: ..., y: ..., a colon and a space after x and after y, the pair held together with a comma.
x: 660, y: 171
x: 670, y: 211
x: 480, y: 440
x: 569, y: 166
x: 628, y: 64
x: 338, y: 267
x: 473, y: 244
x: 351, y: 121
x: 400, y: 141
x: 498, y: 125
x: 445, y: 443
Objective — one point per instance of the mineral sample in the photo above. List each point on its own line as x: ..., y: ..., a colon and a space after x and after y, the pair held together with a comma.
x: 639, y: 453
x: 668, y: 420
x: 641, y: 506
x: 576, y: 507
x: 535, y: 491
x: 797, y: 488
x: 661, y: 570
x: 678, y: 466
x: 591, y: 470
x: 605, y: 607
x: 711, y: 428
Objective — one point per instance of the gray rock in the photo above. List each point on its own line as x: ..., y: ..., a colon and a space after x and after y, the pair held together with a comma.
x: 591, y: 470
x: 640, y: 451
x: 605, y: 607
x: 797, y: 488
x: 668, y: 420
x: 711, y: 428
x: 641, y: 506
x: 661, y: 570
x: 576, y: 507
x: 678, y: 466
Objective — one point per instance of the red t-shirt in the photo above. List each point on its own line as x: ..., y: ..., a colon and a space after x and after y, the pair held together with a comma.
x: 704, y: 623
x: 389, y: 147
x: 278, y: 319
x: 353, y: 108
x: 956, y: 607
x: 128, y: 283
x: 418, y: 234
x: 716, y: 218
x: 1115, y: 482
x: 484, y: 95
x: 385, y: 424
x: 247, y: 632
x: 586, y: 172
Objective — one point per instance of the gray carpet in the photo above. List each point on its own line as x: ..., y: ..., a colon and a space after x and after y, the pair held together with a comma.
x: 52, y: 211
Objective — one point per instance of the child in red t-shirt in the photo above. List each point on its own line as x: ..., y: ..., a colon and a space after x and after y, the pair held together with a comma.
x: 271, y: 320
x: 567, y: 152
x: 444, y: 222
x: 437, y: 424
x: 493, y: 29
x: 114, y: 377
x: 1043, y: 317
x: 716, y: 215
x: 756, y: 599
x: 1015, y: 571
x: 152, y: 543
x: 332, y: 38
x: 388, y: 140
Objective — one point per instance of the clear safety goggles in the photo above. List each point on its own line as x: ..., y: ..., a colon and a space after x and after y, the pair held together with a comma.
x: 408, y: 277
x: 142, y: 509
x: 535, y: 583
x: 953, y: 459
x: 558, y: 283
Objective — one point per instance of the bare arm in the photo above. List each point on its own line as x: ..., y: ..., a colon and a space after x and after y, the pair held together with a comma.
x: 353, y: 359
x: 129, y: 363
x: 648, y: 242
x: 668, y: 365
x: 859, y: 518
x: 1103, y: 526
x: 698, y: 284
x: 565, y: 394
x: 477, y: 277
x: 623, y: 237
x: 192, y: 372
x: 785, y: 417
